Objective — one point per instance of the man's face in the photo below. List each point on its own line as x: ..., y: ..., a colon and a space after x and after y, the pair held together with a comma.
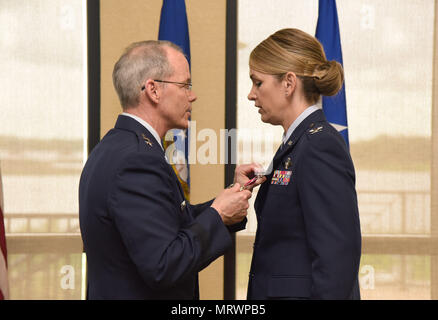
x: 176, y: 103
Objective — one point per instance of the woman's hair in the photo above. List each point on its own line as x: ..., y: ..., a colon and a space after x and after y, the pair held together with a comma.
x: 140, y: 61
x: 296, y: 51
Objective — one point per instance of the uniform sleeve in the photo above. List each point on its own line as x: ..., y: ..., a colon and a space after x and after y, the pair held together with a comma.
x: 231, y: 228
x: 326, y: 186
x: 164, y: 246
x: 199, y: 208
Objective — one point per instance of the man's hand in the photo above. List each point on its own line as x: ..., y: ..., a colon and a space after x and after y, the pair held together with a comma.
x: 246, y: 172
x: 232, y: 204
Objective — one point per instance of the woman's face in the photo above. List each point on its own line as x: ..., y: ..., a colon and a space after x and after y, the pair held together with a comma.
x: 268, y: 94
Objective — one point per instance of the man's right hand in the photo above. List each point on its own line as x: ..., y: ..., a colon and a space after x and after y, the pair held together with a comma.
x: 232, y: 204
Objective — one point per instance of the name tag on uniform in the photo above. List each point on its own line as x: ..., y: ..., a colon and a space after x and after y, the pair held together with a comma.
x: 281, y: 178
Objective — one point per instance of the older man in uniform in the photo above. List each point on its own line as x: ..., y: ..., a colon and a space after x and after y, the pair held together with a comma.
x: 142, y: 238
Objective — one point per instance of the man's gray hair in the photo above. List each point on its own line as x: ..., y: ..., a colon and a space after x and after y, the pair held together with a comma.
x: 139, y: 62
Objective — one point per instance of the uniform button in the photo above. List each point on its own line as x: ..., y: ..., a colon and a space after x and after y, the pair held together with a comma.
x: 251, y: 275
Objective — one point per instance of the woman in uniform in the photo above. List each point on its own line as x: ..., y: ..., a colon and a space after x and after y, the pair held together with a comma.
x: 308, y: 240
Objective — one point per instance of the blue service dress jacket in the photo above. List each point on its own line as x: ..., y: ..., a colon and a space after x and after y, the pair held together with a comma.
x: 142, y: 238
x: 308, y: 239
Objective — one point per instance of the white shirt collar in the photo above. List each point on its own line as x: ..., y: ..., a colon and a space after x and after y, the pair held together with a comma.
x: 146, y: 125
x: 298, y: 120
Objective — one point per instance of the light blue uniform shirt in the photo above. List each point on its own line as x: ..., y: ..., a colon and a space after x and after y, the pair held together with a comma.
x: 297, y: 122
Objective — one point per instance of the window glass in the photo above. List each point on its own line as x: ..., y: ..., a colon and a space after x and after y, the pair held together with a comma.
x: 42, y: 143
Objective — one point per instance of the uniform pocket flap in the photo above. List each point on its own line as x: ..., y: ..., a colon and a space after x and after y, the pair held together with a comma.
x: 289, y: 286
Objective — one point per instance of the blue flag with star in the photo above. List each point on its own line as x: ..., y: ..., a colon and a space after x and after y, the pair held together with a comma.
x: 174, y: 27
x: 327, y: 32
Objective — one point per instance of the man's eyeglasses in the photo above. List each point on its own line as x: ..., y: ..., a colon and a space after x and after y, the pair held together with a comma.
x: 187, y: 86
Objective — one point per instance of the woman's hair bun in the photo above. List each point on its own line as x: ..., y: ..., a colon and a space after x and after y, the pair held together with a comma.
x: 329, y: 77
x: 293, y: 50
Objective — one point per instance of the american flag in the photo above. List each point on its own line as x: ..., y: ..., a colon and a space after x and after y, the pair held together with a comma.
x: 4, y: 286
